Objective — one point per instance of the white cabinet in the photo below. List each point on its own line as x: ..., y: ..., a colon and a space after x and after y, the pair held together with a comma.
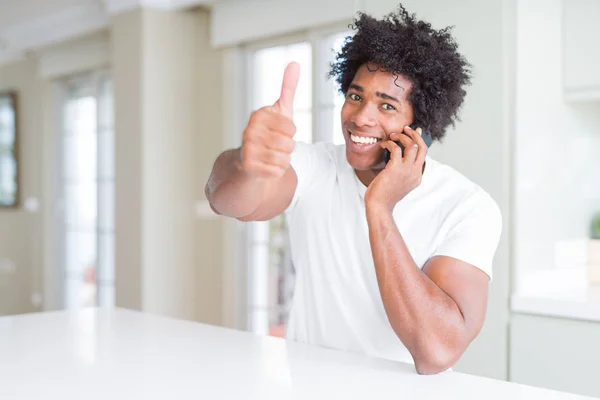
x: 555, y: 353
x: 581, y: 51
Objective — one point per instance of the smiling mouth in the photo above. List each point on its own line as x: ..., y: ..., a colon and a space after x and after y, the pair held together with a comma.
x: 362, y: 140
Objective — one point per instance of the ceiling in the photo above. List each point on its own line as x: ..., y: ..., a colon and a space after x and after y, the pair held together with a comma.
x: 16, y: 12
x: 27, y: 25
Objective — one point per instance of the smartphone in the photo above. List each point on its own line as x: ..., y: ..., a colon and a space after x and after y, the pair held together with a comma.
x: 426, y: 138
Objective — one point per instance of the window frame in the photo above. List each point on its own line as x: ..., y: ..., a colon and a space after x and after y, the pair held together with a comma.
x: 89, y: 83
x: 246, y: 236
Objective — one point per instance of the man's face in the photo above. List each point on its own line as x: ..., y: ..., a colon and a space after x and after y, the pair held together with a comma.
x: 376, y: 106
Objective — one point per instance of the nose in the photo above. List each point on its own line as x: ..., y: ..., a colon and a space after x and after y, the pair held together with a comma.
x: 364, y: 116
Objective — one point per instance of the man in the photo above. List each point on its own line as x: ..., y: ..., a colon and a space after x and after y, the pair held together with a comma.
x: 392, y: 260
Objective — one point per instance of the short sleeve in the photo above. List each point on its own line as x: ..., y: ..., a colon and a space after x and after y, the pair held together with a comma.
x: 304, y: 162
x: 475, y: 234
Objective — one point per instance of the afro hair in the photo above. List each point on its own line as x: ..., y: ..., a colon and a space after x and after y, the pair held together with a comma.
x: 401, y: 44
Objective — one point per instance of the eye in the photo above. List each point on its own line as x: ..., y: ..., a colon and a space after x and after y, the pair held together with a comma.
x: 388, y: 107
x: 354, y: 96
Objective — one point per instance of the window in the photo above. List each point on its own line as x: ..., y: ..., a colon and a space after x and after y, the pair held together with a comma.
x: 317, y: 108
x: 8, y: 151
x: 88, y: 192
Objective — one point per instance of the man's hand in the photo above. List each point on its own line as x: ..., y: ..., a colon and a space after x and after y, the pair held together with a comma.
x: 267, y: 141
x: 402, y: 174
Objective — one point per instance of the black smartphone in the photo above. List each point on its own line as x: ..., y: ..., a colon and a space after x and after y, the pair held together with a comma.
x: 426, y: 138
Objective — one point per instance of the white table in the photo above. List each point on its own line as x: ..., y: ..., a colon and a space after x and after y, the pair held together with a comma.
x: 120, y: 354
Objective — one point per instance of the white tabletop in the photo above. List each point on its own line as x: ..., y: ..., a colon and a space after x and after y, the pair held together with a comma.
x: 120, y: 354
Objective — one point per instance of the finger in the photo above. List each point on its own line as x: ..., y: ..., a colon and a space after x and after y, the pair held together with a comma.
x: 395, y: 136
x: 280, y: 123
x: 276, y: 158
x: 410, y: 153
x: 279, y: 142
x: 269, y: 171
x: 291, y: 76
x: 256, y: 153
x: 405, y: 139
x: 417, y: 137
x: 395, y: 150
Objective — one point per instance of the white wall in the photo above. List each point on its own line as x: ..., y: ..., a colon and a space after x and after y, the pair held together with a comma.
x: 21, y: 271
x: 29, y: 240
x: 554, y: 353
x: 168, y: 128
x: 168, y: 162
x: 210, y: 241
x: 557, y: 145
x: 126, y: 58
x: 255, y: 20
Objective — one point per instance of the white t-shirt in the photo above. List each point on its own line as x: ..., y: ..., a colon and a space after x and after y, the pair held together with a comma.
x: 337, y: 303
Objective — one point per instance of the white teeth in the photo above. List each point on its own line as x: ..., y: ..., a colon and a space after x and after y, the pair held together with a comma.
x: 362, y: 139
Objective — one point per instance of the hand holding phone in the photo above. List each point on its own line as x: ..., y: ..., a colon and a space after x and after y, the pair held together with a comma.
x: 404, y: 173
x: 426, y: 138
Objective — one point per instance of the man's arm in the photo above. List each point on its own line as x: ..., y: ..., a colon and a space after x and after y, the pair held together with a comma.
x: 436, y: 312
x: 256, y: 181
x: 233, y: 192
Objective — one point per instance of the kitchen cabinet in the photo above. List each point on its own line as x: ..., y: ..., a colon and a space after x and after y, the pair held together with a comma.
x: 556, y: 353
x: 581, y: 52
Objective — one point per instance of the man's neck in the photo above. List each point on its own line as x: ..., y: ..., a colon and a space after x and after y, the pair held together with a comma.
x: 367, y: 176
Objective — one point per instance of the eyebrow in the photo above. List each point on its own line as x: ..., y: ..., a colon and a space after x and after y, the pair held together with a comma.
x: 379, y: 94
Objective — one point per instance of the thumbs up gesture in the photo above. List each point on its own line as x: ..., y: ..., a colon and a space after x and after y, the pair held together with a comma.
x: 268, y: 139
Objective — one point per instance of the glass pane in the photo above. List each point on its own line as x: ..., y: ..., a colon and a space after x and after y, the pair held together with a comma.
x: 80, y: 157
x: 69, y: 114
x: 106, y: 104
x: 277, y: 322
x: 7, y: 137
x: 106, y: 154
x: 260, y: 232
x: 282, y: 276
x: 303, y: 121
x: 81, y: 251
x: 84, y: 121
x: 80, y: 293
x: 106, y: 208
x: 259, y: 276
x: 8, y: 165
x: 329, y: 47
x: 338, y: 41
x: 268, y: 65
x: 106, y: 295
x: 6, y: 141
x: 302, y: 53
x: 106, y: 258
x: 325, y: 121
x: 258, y: 319
x: 81, y: 205
x: 88, y: 162
x: 8, y: 184
x: 338, y: 134
x: 338, y: 98
x: 7, y: 120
